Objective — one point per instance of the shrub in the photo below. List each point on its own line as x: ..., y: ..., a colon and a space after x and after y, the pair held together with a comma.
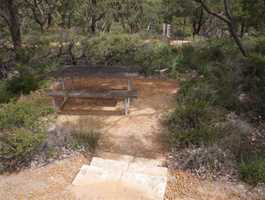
x: 154, y: 56
x: 87, y: 139
x: 253, y: 81
x: 5, y: 93
x: 253, y: 171
x: 124, y: 49
x: 22, y: 84
x: 200, y: 90
x: 24, y: 113
x: 193, y: 123
x: 206, y: 160
x: 112, y: 49
x: 18, y: 146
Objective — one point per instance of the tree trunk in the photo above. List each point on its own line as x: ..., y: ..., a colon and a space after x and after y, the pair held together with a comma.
x: 93, y: 24
x: 197, y: 24
x: 13, y: 25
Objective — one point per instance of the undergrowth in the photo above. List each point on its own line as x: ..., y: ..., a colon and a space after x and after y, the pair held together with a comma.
x: 222, y: 84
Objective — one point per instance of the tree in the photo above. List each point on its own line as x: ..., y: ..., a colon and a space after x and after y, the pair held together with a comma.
x: 9, y: 13
x: 42, y: 11
x: 227, y: 17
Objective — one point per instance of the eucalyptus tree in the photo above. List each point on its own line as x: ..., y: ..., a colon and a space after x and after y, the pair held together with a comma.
x: 9, y: 12
x: 42, y: 11
x: 225, y: 14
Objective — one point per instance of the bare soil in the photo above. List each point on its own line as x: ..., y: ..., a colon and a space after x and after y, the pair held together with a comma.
x: 139, y: 133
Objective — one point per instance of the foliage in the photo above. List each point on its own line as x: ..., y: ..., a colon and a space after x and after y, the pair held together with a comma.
x: 253, y: 83
x: 24, y: 112
x: 124, y: 49
x: 5, y: 93
x: 18, y: 146
x: 155, y: 55
x: 87, y: 139
x: 111, y: 49
x: 22, y: 84
x: 253, y: 171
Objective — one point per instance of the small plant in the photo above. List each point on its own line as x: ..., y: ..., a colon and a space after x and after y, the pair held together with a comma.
x: 253, y: 171
x: 193, y: 123
x: 5, y: 93
x: 87, y: 139
x: 18, y: 146
x: 22, y: 84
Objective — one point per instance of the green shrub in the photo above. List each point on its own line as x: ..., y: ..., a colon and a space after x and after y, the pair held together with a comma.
x: 253, y: 171
x: 124, y: 49
x: 24, y: 112
x: 253, y: 82
x: 154, y: 56
x: 5, y: 93
x: 200, y: 90
x: 87, y: 139
x: 193, y: 123
x: 22, y: 84
x: 112, y: 49
x: 18, y: 146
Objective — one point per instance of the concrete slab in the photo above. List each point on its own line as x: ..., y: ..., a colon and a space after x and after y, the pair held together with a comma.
x: 114, y: 156
x: 108, y: 191
x: 152, y: 171
x: 91, y: 175
x: 153, y: 186
x: 109, y: 165
x: 143, y: 178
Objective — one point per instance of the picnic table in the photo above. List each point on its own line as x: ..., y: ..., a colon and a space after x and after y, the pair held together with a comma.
x: 104, y: 72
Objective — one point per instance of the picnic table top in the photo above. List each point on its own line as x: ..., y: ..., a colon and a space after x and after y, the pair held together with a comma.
x: 80, y: 71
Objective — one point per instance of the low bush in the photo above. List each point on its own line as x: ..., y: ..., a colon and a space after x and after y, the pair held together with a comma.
x: 124, y: 49
x: 22, y: 84
x: 221, y: 82
x: 154, y: 56
x: 5, y: 93
x: 205, y: 160
x: 193, y: 123
x: 253, y: 84
x: 18, y: 146
x: 85, y: 139
x: 111, y: 49
x: 24, y: 112
x: 253, y: 171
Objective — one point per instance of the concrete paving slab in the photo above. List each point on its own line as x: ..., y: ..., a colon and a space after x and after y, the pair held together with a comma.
x: 144, y: 178
x: 91, y: 174
x: 152, y: 171
x: 109, y: 165
x: 114, y: 156
x: 154, y: 186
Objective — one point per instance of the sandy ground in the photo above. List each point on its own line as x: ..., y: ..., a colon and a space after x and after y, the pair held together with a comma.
x: 50, y: 182
x: 138, y: 134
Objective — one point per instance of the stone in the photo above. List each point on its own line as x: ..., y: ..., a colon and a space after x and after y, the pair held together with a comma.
x: 140, y: 178
x: 153, y: 186
x: 91, y: 175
